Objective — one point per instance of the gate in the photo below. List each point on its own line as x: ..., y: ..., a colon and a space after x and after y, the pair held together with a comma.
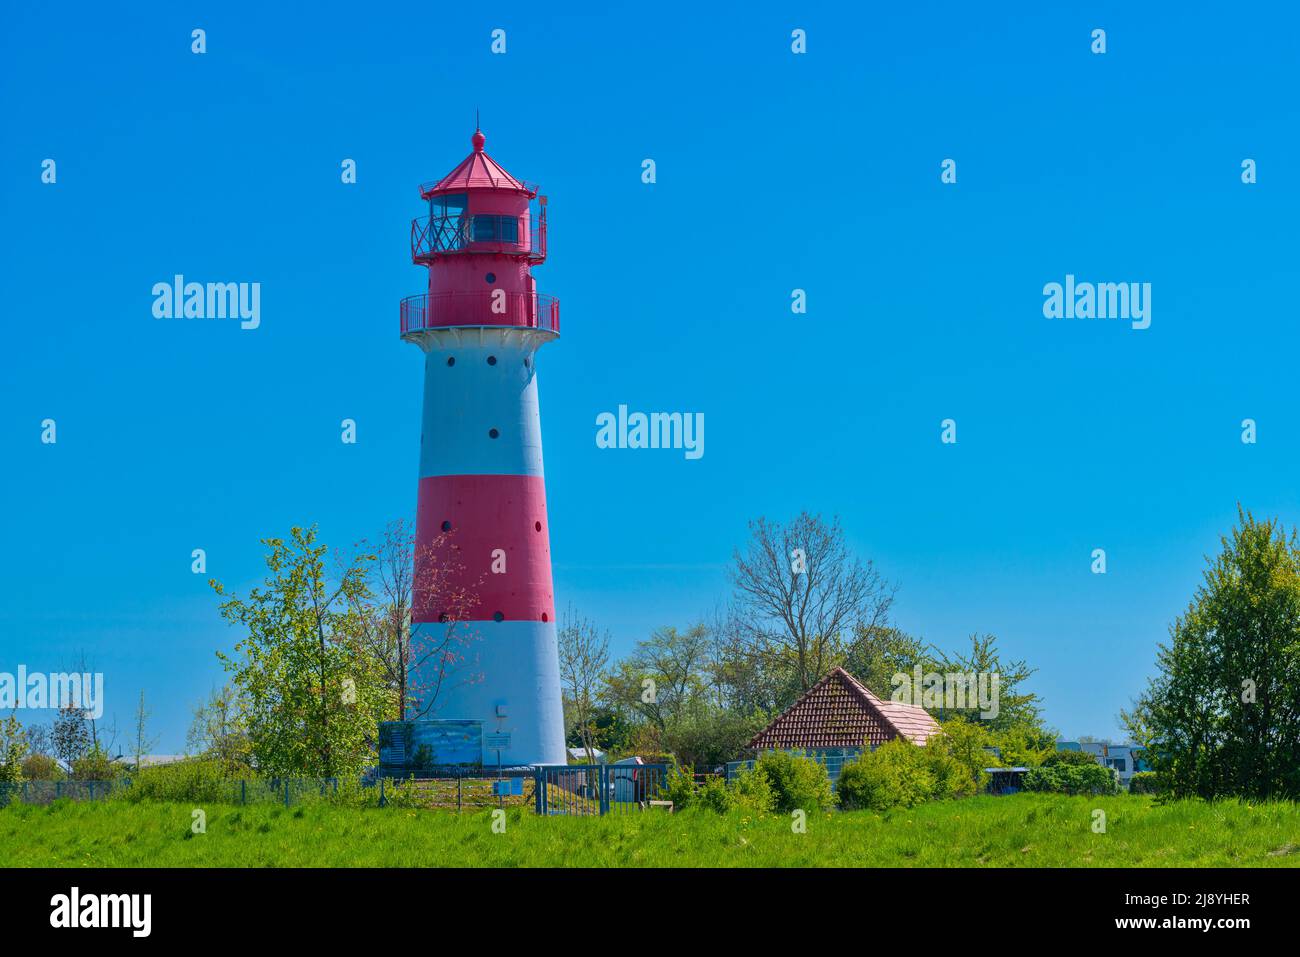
x: 597, y: 788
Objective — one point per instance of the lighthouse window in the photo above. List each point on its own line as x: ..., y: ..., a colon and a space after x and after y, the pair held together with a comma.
x: 495, y: 229
x: 446, y: 526
x: 492, y: 360
x: 447, y: 221
x: 493, y: 433
x: 498, y: 616
x: 491, y: 278
x: 451, y: 360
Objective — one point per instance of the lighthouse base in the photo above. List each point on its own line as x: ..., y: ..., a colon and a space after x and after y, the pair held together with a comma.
x: 507, y: 676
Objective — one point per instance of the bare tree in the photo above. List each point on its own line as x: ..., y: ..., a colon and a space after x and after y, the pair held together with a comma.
x: 218, y: 728
x: 142, y: 741
x: 799, y: 594
x: 584, y: 657
x: 409, y: 582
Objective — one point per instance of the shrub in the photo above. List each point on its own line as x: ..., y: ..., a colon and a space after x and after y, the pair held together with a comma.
x: 1145, y: 782
x: 1090, y: 778
x: 716, y: 796
x: 96, y: 765
x: 196, y: 779
x: 42, y: 767
x: 753, y: 791
x: 866, y: 784
x: 1069, y: 758
x: 679, y: 787
x: 797, y: 781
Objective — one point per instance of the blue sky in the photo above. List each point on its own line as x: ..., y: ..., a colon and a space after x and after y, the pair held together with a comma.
x: 775, y: 172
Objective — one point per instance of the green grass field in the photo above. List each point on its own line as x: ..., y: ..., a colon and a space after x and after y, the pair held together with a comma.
x: 1023, y: 830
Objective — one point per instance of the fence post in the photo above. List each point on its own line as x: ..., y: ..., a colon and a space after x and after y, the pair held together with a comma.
x: 459, y: 799
x: 243, y: 791
x: 538, y: 789
x: 383, y: 801
x: 286, y: 792
x: 604, y: 788
x: 92, y: 789
x: 58, y: 790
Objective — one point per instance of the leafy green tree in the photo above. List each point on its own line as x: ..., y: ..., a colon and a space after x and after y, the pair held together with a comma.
x: 1016, y: 706
x: 1222, y: 715
x: 312, y: 696
x: 217, y: 730
x: 13, y: 750
x: 70, y: 736
x: 877, y: 654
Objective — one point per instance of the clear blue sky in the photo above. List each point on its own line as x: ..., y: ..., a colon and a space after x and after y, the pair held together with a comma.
x: 775, y: 171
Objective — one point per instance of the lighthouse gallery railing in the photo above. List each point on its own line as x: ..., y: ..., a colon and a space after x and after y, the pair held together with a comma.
x: 493, y: 307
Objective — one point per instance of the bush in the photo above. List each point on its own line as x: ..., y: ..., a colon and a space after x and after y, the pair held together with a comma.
x: 195, y: 779
x: 96, y: 765
x: 866, y: 785
x: 716, y: 796
x: 1145, y: 782
x: 1090, y: 778
x: 753, y: 791
x: 42, y: 767
x: 798, y: 782
x: 1068, y: 758
x: 679, y: 787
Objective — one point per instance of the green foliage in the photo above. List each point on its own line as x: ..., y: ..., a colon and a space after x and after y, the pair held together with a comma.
x: 1145, y: 782
x: 1222, y: 716
x: 311, y: 694
x: 1072, y: 779
x: 900, y: 774
x: 716, y: 796
x: 1072, y: 758
x: 13, y: 750
x: 42, y: 767
x: 753, y: 791
x: 96, y: 765
x: 197, y: 779
x: 679, y: 787
x: 1024, y: 745
x: 1015, y: 706
x: 797, y: 781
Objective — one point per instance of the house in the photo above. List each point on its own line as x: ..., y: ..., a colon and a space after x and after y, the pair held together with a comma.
x: 580, y: 755
x: 1126, y: 759
x: 836, y: 719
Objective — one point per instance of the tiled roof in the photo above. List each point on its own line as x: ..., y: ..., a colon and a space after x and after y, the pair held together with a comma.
x: 840, y: 712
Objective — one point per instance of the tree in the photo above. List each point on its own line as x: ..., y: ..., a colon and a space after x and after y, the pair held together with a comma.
x: 13, y: 751
x: 877, y: 654
x: 217, y: 730
x: 142, y: 742
x: 70, y: 736
x: 418, y: 664
x: 1015, y: 706
x: 799, y: 594
x: 1222, y: 715
x: 312, y: 696
x: 584, y: 656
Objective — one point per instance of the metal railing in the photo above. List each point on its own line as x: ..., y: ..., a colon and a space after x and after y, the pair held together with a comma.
x: 433, y: 236
x: 597, y: 789
x: 493, y: 307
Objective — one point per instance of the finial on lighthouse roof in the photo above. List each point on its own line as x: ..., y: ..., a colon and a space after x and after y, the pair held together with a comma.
x: 478, y: 139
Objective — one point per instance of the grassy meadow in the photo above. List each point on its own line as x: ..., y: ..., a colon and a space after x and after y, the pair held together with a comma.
x: 1024, y: 830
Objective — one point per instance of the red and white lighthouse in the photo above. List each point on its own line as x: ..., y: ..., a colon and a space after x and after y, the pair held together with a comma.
x: 480, y: 325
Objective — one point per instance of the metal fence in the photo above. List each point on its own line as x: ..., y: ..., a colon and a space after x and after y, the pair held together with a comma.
x: 833, y: 759
x: 45, y: 792
x: 549, y: 790
x: 594, y: 789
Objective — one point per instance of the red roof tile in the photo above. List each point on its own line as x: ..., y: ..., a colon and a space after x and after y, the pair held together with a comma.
x: 840, y: 712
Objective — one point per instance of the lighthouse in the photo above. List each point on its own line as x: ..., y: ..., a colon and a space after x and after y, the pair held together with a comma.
x: 481, y: 506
